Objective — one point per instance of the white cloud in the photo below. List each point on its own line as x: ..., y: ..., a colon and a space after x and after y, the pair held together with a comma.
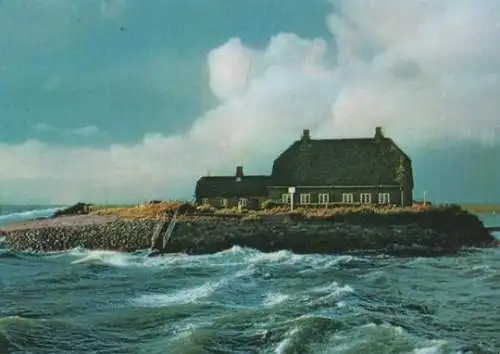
x: 426, y: 71
x: 86, y: 131
x: 42, y: 127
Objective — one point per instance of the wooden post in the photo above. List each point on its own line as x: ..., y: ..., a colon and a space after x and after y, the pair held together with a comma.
x: 291, y: 190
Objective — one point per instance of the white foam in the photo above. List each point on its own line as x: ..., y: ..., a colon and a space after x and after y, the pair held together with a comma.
x: 183, y: 296
x: 27, y: 215
x: 189, y: 295
x: 274, y: 298
x: 283, y: 345
x: 341, y: 304
x: 333, y: 289
x: 434, y: 347
x: 105, y: 257
x: 273, y: 257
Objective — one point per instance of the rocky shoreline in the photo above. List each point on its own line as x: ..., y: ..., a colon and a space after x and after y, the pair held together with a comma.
x: 198, y: 234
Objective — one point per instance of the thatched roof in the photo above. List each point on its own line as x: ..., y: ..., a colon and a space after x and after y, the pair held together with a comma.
x: 342, y: 162
x: 230, y: 186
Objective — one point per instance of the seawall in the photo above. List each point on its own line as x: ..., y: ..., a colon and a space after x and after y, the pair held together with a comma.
x: 444, y: 231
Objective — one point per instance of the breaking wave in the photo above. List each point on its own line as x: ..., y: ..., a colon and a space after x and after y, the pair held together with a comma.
x: 10, y: 215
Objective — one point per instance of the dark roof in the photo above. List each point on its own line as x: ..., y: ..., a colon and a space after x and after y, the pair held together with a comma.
x: 227, y: 186
x: 341, y: 162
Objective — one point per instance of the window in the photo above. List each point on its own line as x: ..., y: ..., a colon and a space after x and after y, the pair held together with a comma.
x: 243, y: 202
x: 223, y: 202
x: 384, y: 198
x: 366, y: 198
x: 347, y: 198
x: 323, y: 198
x: 204, y: 201
x: 305, y: 198
x: 285, y: 198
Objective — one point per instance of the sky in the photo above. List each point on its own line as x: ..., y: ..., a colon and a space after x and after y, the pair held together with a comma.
x: 124, y: 100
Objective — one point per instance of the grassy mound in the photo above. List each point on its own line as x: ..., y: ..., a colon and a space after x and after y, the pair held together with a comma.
x: 452, y: 216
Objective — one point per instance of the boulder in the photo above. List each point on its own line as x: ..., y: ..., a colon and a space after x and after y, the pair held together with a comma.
x: 76, y: 209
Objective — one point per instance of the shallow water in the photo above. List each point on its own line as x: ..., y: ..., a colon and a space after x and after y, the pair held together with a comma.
x: 245, y: 301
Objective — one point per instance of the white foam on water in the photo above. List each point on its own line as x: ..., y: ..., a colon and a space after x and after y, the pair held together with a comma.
x: 333, y: 289
x: 112, y: 258
x: 274, y: 257
x: 284, y: 344
x: 341, y: 304
x: 120, y: 259
x: 434, y: 347
x: 339, y: 260
x: 27, y: 215
x: 179, y: 297
x: 485, y: 267
x: 314, y: 261
x: 274, y: 298
x: 188, y: 295
x: 356, y: 339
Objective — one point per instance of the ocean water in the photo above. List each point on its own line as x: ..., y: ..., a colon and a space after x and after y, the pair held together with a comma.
x: 244, y: 301
x: 13, y: 213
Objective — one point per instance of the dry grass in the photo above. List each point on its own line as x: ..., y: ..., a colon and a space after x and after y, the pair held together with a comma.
x: 144, y: 211
x: 482, y: 208
x: 153, y: 211
x: 431, y: 216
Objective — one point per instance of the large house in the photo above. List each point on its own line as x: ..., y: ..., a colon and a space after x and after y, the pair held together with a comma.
x: 322, y: 171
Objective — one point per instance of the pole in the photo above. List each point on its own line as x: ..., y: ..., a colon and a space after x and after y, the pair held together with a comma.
x: 291, y: 191
x: 425, y: 198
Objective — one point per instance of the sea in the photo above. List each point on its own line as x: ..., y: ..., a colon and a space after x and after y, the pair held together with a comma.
x: 244, y: 301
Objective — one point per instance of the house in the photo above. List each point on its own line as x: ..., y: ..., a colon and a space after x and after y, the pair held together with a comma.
x: 323, y: 171
x: 231, y: 191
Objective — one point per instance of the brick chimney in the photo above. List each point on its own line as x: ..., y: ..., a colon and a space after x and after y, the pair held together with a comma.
x: 378, y: 134
x: 239, y: 173
x: 306, y: 135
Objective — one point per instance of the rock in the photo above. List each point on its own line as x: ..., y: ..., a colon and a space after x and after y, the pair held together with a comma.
x: 76, y: 209
x: 419, y: 234
x: 186, y: 208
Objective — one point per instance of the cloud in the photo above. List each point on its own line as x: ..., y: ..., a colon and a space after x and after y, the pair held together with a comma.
x: 426, y: 71
x: 86, y: 131
x: 42, y: 127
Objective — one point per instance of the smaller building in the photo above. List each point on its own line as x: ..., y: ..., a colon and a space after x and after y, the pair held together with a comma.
x: 232, y: 191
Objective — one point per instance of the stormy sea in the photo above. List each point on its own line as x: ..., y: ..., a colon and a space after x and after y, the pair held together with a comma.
x: 244, y: 301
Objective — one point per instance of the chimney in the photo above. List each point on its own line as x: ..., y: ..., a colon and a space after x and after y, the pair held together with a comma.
x: 378, y: 134
x: 239, y: 173
x: 306, y: 135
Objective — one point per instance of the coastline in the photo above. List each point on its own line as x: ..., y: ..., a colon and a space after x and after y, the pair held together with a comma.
x: 427, y: 232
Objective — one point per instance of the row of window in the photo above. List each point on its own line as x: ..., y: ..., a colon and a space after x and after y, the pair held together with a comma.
x: 323, y: 198
x: 223, y: 202
x: 348, y: 198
